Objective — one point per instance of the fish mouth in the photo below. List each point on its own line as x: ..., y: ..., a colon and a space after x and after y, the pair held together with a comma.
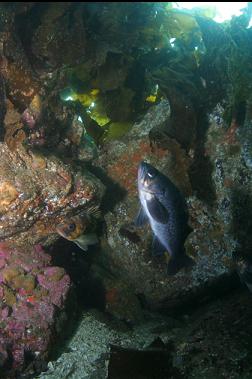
x: 142, y: 169
x: 142, y: 173
x: 145, y: 182
x: 61, y: 232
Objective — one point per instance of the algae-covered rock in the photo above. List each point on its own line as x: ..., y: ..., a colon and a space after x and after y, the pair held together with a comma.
x: 75, y: 81
x: 229, y: 150
x: 38, y: 192
x: 30, y: 311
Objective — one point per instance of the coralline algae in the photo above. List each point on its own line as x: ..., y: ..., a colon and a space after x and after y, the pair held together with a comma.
x: 32, y: 296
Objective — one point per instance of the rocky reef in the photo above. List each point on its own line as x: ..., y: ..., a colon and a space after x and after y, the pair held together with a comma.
x: 33, y: 301
x: 87, y: 92
x: 37, y: 193
x: 210, y: 342
x: 130, y: 247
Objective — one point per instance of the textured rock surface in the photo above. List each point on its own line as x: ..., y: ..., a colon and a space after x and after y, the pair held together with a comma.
x: 37, y: 192
x: 89, y: 348
x: 33, y: 296
x: 130, y: 248
x: 51, y: 51
x: 229, y: 150
x: 212, y: 342
x: 41, y: 184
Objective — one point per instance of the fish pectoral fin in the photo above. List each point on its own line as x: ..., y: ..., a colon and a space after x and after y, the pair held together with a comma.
x: 81, y: 245
x: 157, y: 211
x: 85, y: 240
x: 157, y: 247
x: 141, y: 218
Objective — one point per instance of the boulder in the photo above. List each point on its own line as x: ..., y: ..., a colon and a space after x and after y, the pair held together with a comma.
x: 38, y: 192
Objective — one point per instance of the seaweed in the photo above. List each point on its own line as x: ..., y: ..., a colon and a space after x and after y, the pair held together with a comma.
x: 124, y: 57
x: 137, y: 48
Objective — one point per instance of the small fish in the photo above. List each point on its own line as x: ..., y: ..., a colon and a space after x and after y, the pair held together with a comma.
x: 165, y: 208
x: 76, y: 229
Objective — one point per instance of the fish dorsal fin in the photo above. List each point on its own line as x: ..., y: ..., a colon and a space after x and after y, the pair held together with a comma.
x: 141, y: 218
x: 94, y: 211
x: 157, y: 211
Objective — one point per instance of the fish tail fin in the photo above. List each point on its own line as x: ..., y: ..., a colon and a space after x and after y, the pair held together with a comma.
x: 176, y: 264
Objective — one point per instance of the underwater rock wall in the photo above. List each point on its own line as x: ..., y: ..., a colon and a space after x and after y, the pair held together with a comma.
x: 39, y: 188
x: 88, y: 91
x: 37, y: 193
x: 211, y: 342
x: 229, y: 149
x: 208, y: 244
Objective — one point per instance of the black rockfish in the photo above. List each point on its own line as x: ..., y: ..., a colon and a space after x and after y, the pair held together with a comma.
x: 165, y: 208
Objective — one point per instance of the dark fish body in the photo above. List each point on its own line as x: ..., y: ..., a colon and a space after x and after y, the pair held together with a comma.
x: 164, y: 207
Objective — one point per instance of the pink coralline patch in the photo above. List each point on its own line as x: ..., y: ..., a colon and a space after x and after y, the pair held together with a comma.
x: 28, y: 316
x: 54, y: 272
x: 28, y: 119
x: 4, y: 250
x: 55, y: 282
x: 30, y: 263
x: 40, y: 255
x: 5, y: 312
x: 34, y: 317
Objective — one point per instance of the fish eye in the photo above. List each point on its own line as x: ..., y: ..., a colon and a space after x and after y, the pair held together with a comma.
x: 71, y: 227
x: 151, y: 174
